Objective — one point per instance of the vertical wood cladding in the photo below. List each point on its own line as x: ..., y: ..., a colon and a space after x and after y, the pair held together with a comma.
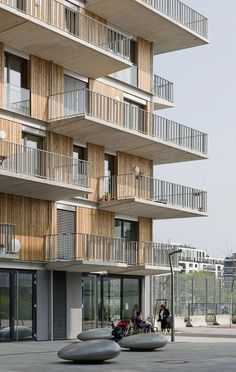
x: 145, y: 229
x: 144, y: 62
x: 40, y: 81
x: 105, y: 89
x: 1, y: 74
x: 126, y: 164
x: 94, y: 221
x: 13, y: 130
x: 58, y: 144
x: 95, y: 155
x: 31, y: 218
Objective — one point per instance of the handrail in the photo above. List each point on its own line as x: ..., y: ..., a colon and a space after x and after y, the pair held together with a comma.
x: 125, y: 186
x: 183, y: 14
x: 163, y: 88
x: 87, y: 102
x: 75, y: 23
x: 44, y: 164
x: 81, y: 246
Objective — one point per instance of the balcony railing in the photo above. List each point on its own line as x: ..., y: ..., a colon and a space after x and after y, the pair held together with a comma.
x: 163, y: 88
x: 86, y: 102
x: 81, y: 26
x: 70, y: 247
x: 7, y: 238
x: 183, y: 14
x: 16, y: 99
x: 44, y: 164
x: 127, y: 186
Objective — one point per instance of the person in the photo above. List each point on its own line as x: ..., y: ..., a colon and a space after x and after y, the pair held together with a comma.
x: 142, y: 324
x: 163, y: 316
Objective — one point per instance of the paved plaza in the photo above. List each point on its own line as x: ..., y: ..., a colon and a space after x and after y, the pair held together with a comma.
x: 195, y: 349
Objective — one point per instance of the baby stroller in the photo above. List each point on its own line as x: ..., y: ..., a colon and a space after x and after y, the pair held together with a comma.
x: 122, y: 329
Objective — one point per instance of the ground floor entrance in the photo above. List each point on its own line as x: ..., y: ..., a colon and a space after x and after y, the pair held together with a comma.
x: 17, y: 305
x: 107, y: 299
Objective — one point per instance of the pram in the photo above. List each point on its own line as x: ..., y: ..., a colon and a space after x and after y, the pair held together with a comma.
x: 122, y: 329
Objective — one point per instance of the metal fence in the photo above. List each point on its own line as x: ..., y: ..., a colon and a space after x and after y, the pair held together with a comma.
x: 44, y: 164
x: 163, y: 88
x: 86, y: 102
x: 183, y: 14
x: 151, y: 189
x: 56, y: 14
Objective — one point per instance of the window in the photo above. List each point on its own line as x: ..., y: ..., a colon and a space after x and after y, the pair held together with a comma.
x: 80, y: 172
x: 134, y: 116
x: 17, y: 96
x: 109, y: 171
x: 75, y: 102
x: 33, y: 160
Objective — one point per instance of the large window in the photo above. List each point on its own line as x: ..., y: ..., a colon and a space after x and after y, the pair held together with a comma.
x: 17, y: 96
x: 108, y: 299
x: 33, y: 160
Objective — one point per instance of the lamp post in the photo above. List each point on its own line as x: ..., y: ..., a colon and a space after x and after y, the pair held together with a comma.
x: 172, y: 294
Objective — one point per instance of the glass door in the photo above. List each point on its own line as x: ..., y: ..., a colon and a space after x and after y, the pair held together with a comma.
x: 17, y: 305
x: 90, y: 301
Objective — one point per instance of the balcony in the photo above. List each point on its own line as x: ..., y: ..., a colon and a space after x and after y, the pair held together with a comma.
x: 53, y: 31
x: 119, y: 126
x: 163, y: 91
x: 92, y: 253
x: 169, y: 24
x: 16, y: 99
x: 41, y: 174
x: 142, y: 196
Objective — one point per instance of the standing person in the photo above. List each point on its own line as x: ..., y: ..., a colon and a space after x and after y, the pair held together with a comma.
x: 163, y: 315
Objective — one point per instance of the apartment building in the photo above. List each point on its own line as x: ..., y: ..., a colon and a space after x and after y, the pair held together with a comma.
x: 193, y: 259
x: 78, y: 142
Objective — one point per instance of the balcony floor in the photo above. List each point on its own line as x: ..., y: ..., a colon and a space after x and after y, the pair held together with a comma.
x: 32, y: 36
x: 160, y: 103
x: 141, y: 19
x: 89, y: 129
x: 38, y: 188
x: 86, y: 266
x: 144, y: 208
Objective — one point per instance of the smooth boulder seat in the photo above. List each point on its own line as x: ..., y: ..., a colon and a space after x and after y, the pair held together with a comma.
x: 96, y: 334
x: 90, y: 351
x: 22, y: 331
x: 144, y: 341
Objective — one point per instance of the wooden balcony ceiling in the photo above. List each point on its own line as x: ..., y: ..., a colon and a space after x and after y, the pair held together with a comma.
x: 38, y: 188
x: 115, y: 137
x: 150, y: 209
x: 33, y: 36
x: 143, y: 20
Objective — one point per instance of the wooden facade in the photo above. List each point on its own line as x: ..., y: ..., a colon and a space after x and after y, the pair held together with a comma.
x: 144, y: 63
x: 12, y: 129
x: 1, y: 75
x: 95, y: 222
x: 58, y: 144
x: 31, y: 219
x: 127, y: 162
x: 95, y: 154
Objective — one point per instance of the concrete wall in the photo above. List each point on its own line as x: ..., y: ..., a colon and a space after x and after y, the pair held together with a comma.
x: 73, y: 304
x: 42, y: 305
x: 146, y: 299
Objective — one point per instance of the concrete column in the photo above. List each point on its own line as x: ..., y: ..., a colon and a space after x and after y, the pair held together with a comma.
x: 146, y: 297
x: 73, y: 305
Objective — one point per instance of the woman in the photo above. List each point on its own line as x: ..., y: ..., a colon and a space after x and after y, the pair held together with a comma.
x: 163, y: 315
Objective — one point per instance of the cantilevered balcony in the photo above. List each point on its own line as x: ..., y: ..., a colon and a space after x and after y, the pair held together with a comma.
x: 140, y: 196
x: 41, y: 174
x: 163, y: 92
x: 86, y: 253
x: 169, y: 24
x: 119, y: 126
x: 53, y: 31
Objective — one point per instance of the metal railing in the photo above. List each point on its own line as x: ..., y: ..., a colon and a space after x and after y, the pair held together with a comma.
x: 7, y: 238
x: 75, y: 23
x: 147, y: 188
x: 44, y: 164
x: 183, y: 14
x: 16, y: 99
x: 163, y: 88
x: 86, y: 102
x: 200, y: 260
x: 88, y: 247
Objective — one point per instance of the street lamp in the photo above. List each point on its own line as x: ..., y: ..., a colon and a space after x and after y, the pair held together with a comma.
x: 172, y: 294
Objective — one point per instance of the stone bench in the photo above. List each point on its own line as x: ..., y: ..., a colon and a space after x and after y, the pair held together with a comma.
x: 143, y: 341
x: 96, y: 334
x: 93, y: 351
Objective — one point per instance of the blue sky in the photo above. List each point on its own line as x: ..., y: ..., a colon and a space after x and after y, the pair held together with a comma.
x: 205, y: 97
